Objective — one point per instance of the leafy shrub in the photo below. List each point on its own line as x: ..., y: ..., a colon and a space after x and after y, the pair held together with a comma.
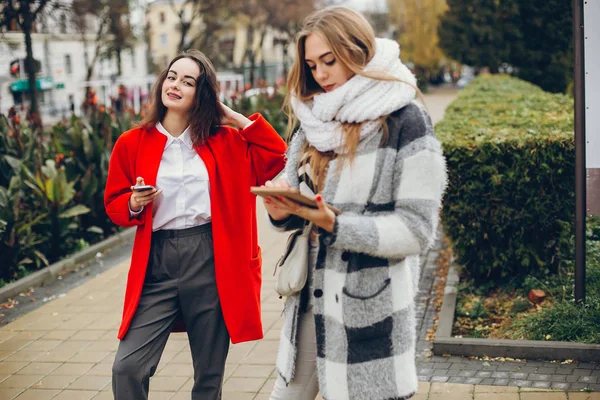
x: 509, y: 206
x: 269, y: 105
x: 52, y: 187
x: 52, y: 181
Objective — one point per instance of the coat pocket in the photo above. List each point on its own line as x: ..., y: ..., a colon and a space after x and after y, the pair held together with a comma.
x: 256, y: 262
x: 367, y: 297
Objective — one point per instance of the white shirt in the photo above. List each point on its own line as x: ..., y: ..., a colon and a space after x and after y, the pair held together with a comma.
x: 183, y: 177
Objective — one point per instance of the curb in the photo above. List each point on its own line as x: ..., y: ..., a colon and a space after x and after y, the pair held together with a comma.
x: 51, y: 272
x: 444, y: 343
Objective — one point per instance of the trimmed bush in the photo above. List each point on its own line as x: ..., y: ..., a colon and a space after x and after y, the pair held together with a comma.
x: 509, y: 207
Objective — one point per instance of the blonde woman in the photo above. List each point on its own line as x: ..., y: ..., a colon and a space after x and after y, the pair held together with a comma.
x: 366, y: 147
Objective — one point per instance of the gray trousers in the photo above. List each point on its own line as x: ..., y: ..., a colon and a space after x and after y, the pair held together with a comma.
x: 180, y: 282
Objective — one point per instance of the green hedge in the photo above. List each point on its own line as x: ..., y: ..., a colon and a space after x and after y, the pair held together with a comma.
x: 509, y: 206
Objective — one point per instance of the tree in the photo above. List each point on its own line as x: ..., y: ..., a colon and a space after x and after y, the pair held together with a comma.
x: 25, y: 13
x: 285, y: 17
x: 544, y: 54
x: 418, y: 22
x: 81, y: 10
x: 200, y: 22
x: 186, y: 19
x: 478, y: 32
x: 533, y: 36
x: 120, y: 34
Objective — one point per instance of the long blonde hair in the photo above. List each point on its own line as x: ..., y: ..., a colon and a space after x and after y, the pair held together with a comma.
x: 351, y: 39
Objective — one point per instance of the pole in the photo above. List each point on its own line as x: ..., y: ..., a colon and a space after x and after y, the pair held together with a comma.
x: 580, y: 172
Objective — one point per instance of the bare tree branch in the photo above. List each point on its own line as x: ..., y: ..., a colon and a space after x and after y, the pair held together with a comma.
x: 41, y: 5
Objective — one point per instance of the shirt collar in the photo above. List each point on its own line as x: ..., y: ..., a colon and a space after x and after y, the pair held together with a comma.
x: 184, y: 137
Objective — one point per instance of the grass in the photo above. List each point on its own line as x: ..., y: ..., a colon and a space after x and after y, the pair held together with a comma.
x: 504, y: 312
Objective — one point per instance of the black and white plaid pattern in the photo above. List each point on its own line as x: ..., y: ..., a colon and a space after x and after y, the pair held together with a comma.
x: 366, y: 274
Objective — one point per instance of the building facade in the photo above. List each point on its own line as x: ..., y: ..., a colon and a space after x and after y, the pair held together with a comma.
x: 64, y: 52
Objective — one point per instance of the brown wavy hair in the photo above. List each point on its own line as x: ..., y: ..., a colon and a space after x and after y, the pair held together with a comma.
x: 206, y: 113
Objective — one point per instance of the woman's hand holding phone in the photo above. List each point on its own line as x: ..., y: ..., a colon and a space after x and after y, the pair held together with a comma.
x: 140, y: 198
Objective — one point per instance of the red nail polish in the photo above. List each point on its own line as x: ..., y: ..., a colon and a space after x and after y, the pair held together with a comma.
x: 319, y: 198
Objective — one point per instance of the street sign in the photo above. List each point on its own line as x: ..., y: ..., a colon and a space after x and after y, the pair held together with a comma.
x: 22, y: 85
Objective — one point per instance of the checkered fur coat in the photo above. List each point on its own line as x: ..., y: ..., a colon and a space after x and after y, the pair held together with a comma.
x: 367, y: 270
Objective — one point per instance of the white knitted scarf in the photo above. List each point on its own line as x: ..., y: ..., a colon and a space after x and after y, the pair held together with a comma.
x: 360, y: 99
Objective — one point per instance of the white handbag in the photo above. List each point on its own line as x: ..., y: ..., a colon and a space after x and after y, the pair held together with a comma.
x: 293, y: 264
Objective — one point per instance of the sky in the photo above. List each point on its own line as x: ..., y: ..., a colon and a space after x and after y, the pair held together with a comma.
x: 366, y: 5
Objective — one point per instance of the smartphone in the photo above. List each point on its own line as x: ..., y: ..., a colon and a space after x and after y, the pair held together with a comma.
x: 143, y: 188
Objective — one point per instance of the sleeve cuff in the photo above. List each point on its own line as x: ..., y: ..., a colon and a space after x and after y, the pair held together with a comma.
x: 134, y: 214
x: 248, y: 124
x: 279, y: 223
x: 329, y: 238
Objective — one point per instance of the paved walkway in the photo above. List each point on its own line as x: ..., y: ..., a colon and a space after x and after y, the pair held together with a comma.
x: 65, y: 348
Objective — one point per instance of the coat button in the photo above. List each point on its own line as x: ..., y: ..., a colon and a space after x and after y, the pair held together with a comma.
x: 345, y: 256
x: 318, y: 293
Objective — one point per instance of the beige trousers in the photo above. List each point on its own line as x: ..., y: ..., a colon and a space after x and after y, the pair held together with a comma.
x: 305, y: 385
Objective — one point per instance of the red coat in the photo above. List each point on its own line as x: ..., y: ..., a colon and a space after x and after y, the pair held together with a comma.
x: 235, y: 160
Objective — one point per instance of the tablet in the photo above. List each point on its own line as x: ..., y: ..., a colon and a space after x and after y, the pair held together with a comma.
x: 290, y: 193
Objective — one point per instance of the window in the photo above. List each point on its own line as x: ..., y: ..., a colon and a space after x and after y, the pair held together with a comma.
x: 13, y: 25
x: 132, y: 51
x: 68, y: 66
x: 63, y: 23
x: 162, y: 17
x: 163, y: 40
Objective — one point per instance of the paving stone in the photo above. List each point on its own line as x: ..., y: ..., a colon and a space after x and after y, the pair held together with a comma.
x: 528, y: 370
x: 568, y: 366
x: 560, y: 385
x: 520, y: 382
x: 449, y: 372
x: 539, y: 377
x: 473, y: 381
x: 508, y: 368
x: 595, y: 387
x: 588, y: 379
x: 518, y: 375
x: 465, y: 366
x: 578, y: 386
x: 582, y: 372
x: 546, y: 370
x: 541, y: 384
x: 558, y: 378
